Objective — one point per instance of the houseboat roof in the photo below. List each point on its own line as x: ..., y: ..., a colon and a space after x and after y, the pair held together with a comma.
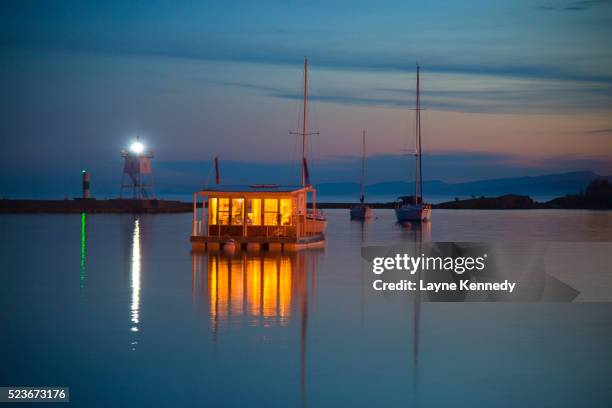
x: 255, y: 188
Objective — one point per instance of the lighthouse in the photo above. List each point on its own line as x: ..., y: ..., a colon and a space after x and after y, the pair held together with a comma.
x: 137, y: 177
x: 86, y: 194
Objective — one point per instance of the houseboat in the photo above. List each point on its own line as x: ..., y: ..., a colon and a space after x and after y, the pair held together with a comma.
x: 260, y: 216
x: 256, y: 217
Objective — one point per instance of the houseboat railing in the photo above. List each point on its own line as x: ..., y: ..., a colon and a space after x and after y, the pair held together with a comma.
x: 301, y: 225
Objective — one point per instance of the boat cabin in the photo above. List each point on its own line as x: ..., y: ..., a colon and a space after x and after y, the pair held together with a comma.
x: 409, y: 199
x: 258, y: 216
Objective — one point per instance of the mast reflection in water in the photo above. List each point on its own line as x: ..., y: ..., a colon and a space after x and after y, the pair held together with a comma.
x: 263, y: 289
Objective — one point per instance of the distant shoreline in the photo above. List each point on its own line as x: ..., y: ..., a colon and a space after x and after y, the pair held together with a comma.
x: 118, y: 206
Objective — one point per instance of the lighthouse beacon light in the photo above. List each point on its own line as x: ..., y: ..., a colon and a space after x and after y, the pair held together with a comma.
x: 137, y: 147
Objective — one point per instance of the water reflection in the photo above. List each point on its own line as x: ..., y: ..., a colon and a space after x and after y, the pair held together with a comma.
x: 422, y: 232
x: 135, y: 268
x: 362, y: 226
x: 416, y: 231
x: 83, y: 271
x: 267, y: 290
x: 256, y: 289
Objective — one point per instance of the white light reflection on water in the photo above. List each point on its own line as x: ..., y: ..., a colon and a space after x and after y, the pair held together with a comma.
x: 135, y: 283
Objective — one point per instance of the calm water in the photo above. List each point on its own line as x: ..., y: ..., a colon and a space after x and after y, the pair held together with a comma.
x: 117, y: 308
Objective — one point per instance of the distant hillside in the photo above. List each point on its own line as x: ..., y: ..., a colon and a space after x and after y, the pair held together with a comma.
x: 548, y: 185
x: 596, y: 196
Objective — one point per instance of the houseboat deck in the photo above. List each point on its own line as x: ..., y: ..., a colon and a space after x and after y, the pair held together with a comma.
x: 201, y: 243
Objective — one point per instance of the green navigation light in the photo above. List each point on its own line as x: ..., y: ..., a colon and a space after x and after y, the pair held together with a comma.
x: 83, y: 274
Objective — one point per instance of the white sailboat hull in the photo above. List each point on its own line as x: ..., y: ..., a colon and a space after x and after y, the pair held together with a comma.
x: 411, y: 212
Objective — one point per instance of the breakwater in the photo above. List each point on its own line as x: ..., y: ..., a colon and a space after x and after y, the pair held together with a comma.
x: 94, y: 206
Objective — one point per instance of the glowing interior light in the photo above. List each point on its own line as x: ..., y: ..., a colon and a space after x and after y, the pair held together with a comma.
x: 137, y: 147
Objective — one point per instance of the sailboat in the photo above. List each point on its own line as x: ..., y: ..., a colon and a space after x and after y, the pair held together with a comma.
x: 362, y: 211
x: 315, y: 218
x: 412, y: 208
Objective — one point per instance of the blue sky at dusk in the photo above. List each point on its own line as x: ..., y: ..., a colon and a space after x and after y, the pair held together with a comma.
x: 520, y: 88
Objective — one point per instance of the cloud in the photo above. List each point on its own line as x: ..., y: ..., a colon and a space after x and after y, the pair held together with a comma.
x: 530, y: 98
x: 246, y: 85
x: 578, y: 5
x: 269, y: 45
x: 605, y: 131
x: 391, y: 62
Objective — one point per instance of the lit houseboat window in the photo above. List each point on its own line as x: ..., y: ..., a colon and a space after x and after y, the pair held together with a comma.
x: 224, y: 213
x: 213, y: 211
x: 285, y: 210
x: 254, y: 211
x: 270, y: 211
x: 237, y: 210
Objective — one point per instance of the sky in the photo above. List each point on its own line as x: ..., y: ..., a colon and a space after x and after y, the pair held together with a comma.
x: 509, y: 89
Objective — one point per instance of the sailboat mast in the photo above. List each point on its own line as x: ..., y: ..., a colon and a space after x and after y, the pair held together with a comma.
x: 363, y: 152
x: 304, y: 126
x: 419, y: 133
x: 417, y: 153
